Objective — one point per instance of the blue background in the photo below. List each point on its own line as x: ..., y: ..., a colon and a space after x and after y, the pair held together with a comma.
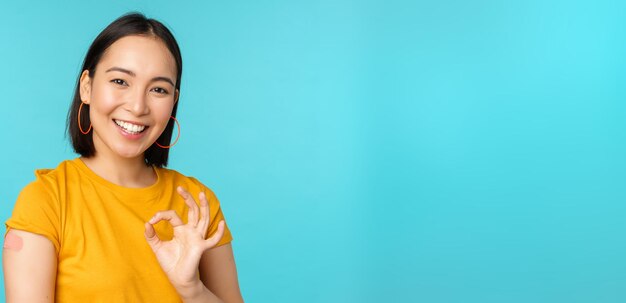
x: 373, y: 151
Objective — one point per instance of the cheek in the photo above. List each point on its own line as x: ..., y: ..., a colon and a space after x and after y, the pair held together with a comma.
x: 163, y: 113
x: 104, y: 100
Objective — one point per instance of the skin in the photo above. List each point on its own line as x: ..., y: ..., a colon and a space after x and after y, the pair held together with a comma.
x: 13, y: 242
x: 134, y: 81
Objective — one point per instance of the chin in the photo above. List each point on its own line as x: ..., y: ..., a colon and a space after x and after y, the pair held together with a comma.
x: 125, y: 152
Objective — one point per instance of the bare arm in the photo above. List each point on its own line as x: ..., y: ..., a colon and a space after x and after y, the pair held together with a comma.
x: 29, y: 262
x: 219, y: 273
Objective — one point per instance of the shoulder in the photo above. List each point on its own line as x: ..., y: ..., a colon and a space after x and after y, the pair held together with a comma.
x: 192, y: 185
x: 176, y: 178
x: 38, y: 208
x: 48, y: 180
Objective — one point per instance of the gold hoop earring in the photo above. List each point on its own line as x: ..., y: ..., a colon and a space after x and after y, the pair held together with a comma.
x: 79, y: 126
x: 175, y: 141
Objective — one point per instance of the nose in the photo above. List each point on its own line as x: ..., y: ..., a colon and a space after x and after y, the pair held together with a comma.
x: 138, y: 104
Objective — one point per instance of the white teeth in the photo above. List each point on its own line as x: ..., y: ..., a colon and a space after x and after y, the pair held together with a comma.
x: 130, y: 128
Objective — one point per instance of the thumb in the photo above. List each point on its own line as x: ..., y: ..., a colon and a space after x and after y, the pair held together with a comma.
x: 151, y: 235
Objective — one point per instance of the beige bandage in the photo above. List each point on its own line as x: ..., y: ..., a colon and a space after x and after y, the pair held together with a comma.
x: 13, y: 242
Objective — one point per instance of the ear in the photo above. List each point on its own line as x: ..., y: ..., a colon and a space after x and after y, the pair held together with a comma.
x: 176, y: 95
x: 85, y: 87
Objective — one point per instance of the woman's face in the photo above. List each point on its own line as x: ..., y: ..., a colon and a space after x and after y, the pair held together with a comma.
x: 131, y: 95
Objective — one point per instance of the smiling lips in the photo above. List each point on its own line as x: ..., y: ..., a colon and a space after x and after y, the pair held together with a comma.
x: 130, y: 128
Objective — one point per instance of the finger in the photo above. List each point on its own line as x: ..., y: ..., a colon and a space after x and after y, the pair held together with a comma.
x: 204, y: 212
x: 213, y: 240
x: 192, y: 214
x: 168, y: 215
x: 151, y: 236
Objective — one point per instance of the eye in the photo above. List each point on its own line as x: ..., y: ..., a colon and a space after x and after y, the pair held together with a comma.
x: 119, y: 82
x: 160, y: 90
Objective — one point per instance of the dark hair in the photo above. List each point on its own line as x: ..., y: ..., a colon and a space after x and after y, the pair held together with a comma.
x: 126, y: 25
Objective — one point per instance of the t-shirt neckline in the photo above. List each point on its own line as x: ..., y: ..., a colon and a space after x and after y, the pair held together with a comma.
x: 130, y: 192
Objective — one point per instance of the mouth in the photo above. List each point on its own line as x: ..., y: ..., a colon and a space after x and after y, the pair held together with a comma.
x: 130, y: 128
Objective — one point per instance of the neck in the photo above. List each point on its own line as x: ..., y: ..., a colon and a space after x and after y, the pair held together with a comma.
x: 127, y: 172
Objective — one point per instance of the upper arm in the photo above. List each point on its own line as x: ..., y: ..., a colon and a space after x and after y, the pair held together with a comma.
x: 219, y: 273
x: 29, y: 267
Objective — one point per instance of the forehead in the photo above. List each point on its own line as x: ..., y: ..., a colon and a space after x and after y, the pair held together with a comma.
x: 144, y: 55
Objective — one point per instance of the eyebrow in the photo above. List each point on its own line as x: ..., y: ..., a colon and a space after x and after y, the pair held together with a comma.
x: 132, y: 74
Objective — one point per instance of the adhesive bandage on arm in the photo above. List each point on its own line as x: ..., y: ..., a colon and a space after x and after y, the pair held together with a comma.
x: 13, y: 242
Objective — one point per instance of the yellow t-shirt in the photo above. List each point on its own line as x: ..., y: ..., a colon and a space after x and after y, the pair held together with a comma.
x: 97, y: 228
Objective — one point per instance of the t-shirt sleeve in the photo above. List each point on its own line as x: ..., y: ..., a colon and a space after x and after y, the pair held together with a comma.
x: 215, y: 216
x: 36, y: 211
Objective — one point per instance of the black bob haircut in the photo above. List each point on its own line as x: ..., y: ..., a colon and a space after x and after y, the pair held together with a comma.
x: 131, y: 24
